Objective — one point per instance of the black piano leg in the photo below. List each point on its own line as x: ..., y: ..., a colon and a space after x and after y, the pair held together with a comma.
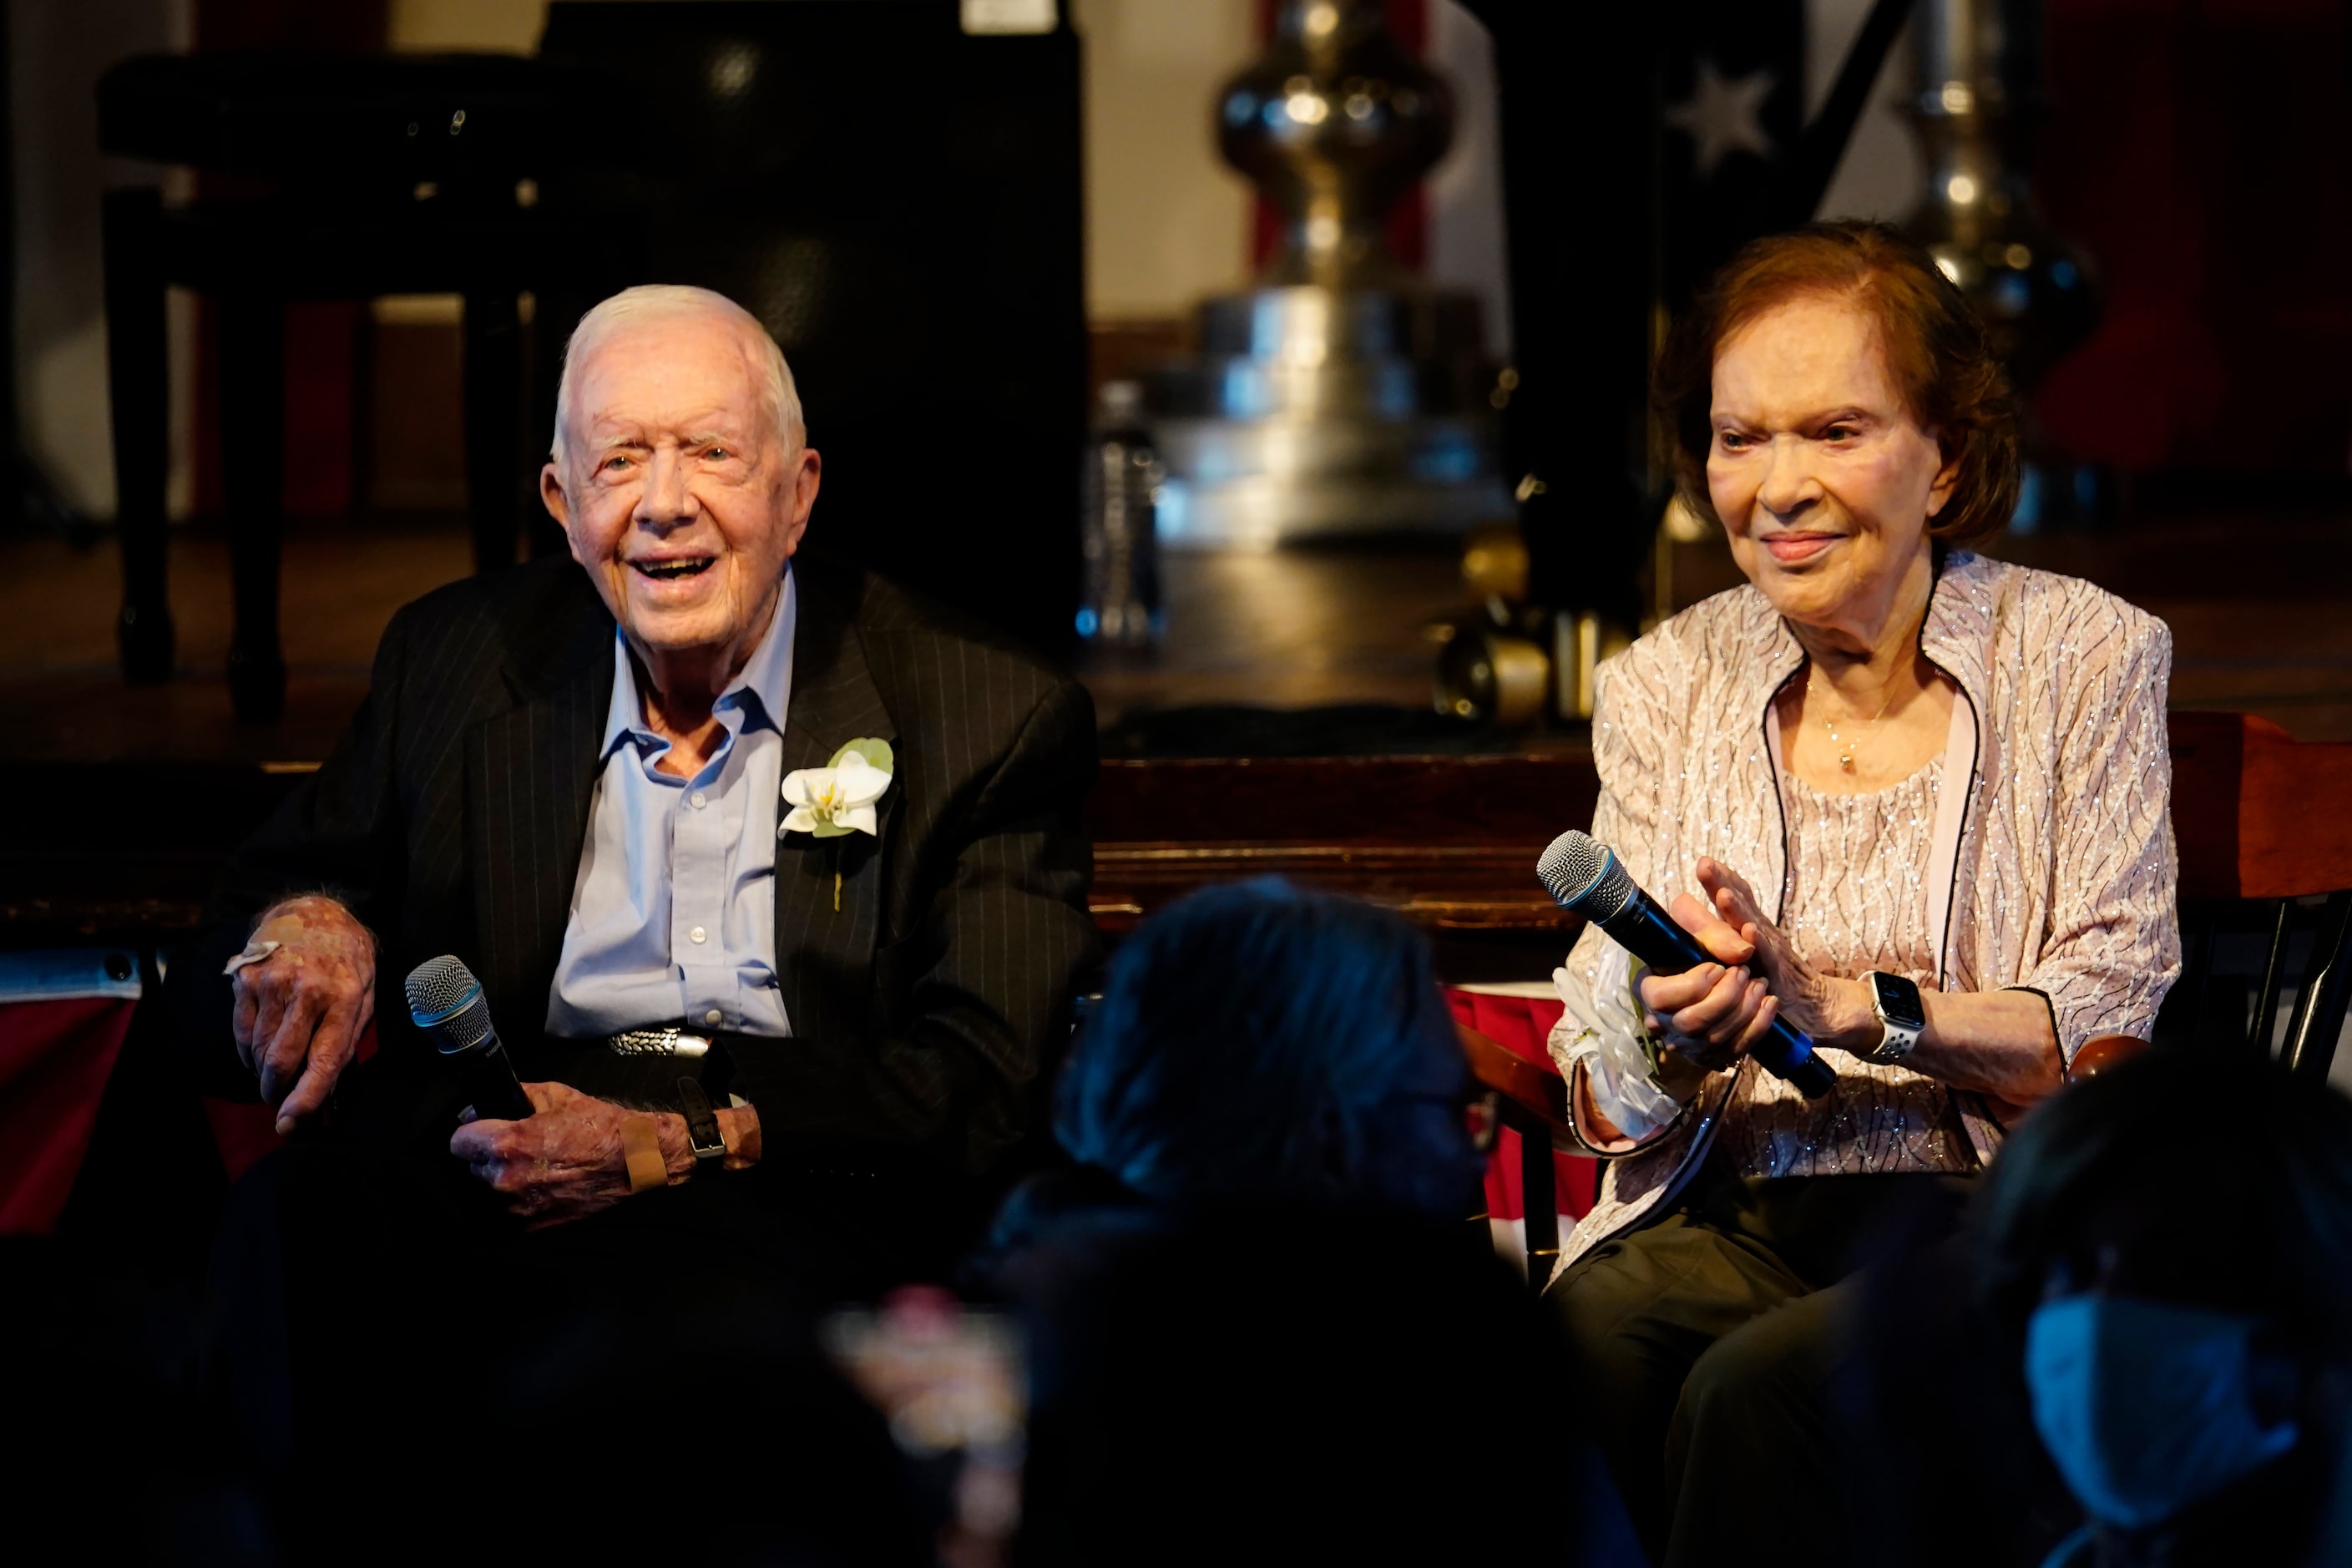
x: 137, y: 373
x: 493, y: 424
x: 253, y: 479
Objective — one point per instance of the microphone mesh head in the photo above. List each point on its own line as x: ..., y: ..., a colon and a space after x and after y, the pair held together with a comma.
x: 1584, y: 876
x: 445, y: 1001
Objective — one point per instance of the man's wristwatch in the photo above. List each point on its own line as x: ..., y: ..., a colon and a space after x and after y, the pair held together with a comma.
x: 1902, y: 1016
x: 702, y: 1135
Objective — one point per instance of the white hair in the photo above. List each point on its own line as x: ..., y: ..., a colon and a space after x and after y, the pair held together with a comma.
x: 652, y: 302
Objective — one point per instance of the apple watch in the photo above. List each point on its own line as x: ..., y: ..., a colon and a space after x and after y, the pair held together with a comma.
x: 702, y: 1135
x: 1902, y: 1016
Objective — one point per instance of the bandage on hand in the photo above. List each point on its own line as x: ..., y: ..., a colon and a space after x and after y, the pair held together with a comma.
x: 641, y: 1148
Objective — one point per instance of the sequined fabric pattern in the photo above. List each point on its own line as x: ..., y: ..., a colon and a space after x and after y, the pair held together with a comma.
x: 1855, y: 899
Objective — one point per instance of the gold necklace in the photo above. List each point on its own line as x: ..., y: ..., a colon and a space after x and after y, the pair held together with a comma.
x: 1845, y: 747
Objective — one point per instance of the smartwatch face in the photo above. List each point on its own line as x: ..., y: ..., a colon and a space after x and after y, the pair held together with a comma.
x: 1898, y: 999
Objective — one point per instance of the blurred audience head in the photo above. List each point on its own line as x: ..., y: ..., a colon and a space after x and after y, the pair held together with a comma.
x: 1262, y: 1041
x: 1260, y: 1328
x: 2169, y: 1245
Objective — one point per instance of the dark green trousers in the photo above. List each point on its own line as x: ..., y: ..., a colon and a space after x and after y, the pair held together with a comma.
x: 1706, y: 1347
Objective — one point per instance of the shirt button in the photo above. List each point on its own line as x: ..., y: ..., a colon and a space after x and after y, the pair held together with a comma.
x: 700, y: 799
x: 714, y: 1016
x: 698, y: 934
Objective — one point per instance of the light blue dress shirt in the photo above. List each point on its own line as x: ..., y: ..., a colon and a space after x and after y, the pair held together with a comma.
x: 674, y: 914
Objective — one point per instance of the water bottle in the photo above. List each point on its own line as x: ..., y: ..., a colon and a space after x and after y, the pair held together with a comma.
x: 1118, y: 536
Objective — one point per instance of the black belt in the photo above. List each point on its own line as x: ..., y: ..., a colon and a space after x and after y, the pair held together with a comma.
x: 639, y: 1068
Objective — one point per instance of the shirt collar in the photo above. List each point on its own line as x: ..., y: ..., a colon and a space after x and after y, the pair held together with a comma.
x: 1953, y: 634
x: 762, y: 688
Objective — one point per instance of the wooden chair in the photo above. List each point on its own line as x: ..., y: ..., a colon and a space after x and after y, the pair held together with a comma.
x: 2264, y: 822
x: 2264, y: 826
x: 1532, y: 1102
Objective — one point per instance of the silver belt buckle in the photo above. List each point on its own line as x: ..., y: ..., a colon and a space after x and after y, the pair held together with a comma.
x: 672, y: 1042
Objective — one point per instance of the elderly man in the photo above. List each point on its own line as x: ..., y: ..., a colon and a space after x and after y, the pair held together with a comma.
x: 573, y: 778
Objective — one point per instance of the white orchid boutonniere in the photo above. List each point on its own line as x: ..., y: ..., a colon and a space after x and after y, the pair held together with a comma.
x: 838, y: 799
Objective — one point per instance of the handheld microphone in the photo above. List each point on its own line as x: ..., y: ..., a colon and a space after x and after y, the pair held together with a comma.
x: 445, y: 1001
x: 1587, y: 877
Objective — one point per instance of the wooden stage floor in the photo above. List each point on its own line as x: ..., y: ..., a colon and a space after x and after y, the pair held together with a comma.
x: 2261, y: 610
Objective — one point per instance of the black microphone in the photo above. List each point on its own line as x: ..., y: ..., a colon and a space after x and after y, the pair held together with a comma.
x: 446, y: 1002
x: 1587, y: 877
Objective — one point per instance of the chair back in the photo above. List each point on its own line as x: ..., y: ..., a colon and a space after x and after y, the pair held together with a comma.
x: 2264, y: 824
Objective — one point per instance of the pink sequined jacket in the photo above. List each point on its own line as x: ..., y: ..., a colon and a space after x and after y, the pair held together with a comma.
x: 2053, y: 869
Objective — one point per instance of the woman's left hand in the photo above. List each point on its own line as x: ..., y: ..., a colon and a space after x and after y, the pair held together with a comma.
x: 1832, y: 1010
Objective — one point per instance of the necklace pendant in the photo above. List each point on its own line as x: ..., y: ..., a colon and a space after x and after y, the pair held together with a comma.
x: 1846, y: 761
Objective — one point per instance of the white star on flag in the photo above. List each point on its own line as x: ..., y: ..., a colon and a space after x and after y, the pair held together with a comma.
x: 1723, y: 116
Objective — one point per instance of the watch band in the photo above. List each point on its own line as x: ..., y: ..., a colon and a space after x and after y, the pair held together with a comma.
x: 1902, y: 1019
x: 702, y: 1135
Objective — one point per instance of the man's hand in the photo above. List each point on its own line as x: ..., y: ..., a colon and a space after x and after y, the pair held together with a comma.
x: 566, y: 1161
x: 298, y: 1014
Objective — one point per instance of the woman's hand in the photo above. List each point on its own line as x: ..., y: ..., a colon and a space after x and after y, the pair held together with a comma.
x: 1713, y: 1013
x: 1834, y: 1011
x: 1716, y: 1014
x: 2000, y: 1043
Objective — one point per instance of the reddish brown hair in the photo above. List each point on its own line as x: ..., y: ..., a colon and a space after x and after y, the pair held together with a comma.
x: 1937, y: 353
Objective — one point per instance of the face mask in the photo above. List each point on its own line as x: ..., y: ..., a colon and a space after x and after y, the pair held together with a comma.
x: 2144, y: 1406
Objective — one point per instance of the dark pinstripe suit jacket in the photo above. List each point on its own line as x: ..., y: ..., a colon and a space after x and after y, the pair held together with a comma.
x: 452, y: 816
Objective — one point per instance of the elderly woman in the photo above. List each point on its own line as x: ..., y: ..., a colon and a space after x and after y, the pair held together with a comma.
x: 1918, y: 800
